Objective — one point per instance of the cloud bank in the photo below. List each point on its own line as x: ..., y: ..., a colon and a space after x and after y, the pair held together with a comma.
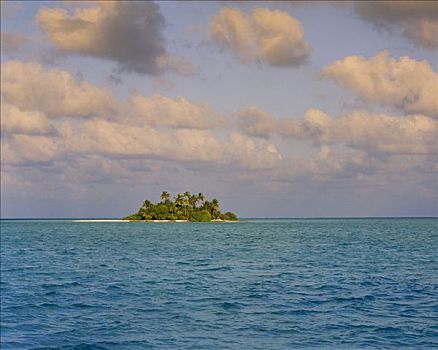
x: 270, y: 36
x: 375, y: 134
x: 48, y: 117
x: 71, y: 119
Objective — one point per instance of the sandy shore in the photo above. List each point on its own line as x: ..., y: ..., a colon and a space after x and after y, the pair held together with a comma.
x: 174, y: 221
x: 101, y: 220
x: 120, y: 220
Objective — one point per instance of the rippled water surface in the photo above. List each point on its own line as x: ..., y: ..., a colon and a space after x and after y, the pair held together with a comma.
x: 265, y: 284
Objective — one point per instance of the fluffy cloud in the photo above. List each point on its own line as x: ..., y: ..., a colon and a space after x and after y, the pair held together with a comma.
x: 54, y: 93
x: 112, y: 139
x: 375, y: 134
x: 15, y: 121
x: 126, y: 32
x: 418, y: 20
x: 255, y: 122
x: 22, y: 150
x: 47, y: 116
x: 406, y: 84
x: 269, y: 36
x: 175, y: 113
x: 118, y: 140
x: 48, y: 109
x: 242, y: 151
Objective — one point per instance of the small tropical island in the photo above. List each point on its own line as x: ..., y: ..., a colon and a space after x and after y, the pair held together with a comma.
x: 183, y: 208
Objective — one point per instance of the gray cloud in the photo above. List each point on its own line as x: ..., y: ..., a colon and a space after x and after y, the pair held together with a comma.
x: 129, y: 33
x: 385, y: 12
x: 255, y: 122
x: 418, y: 20
x: 11, y: 43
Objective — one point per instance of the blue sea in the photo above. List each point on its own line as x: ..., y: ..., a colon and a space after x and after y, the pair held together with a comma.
x: 258, y: 284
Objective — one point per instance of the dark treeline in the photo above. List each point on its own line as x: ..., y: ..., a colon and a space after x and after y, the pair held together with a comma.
x: 185, y: 206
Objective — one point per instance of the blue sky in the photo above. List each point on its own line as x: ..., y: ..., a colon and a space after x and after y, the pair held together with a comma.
x: 279, y: 109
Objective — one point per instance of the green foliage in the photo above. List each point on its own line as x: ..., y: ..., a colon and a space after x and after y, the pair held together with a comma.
x: 185, y: 206
x: 200, y: 216
x: 229, y: 216
x: 133, y: 217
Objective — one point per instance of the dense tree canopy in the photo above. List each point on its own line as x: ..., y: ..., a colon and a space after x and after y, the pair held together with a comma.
x: 187, y: 206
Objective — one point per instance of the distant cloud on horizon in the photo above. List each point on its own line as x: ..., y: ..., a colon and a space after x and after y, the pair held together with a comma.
x: 375, y: 134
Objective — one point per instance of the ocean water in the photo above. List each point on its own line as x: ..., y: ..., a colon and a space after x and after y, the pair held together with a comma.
x: 261, y: 284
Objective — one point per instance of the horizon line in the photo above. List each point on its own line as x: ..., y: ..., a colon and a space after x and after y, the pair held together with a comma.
x: 242, y: 218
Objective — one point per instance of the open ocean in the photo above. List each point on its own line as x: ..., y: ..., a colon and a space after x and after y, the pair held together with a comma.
x: 260, y: 284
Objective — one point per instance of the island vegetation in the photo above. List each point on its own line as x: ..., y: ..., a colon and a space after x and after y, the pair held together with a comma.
x: 183, y: 207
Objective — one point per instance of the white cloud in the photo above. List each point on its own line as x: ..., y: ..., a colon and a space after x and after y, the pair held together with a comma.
x: 53, y: 92
x: 242, y: 151
x: 270, y: 36
x: 119, y: 140
x: 80, y: 119
x: 23, y: 149
x: 113, y: 139
x: 405, y: 84
x: 175, y: 113
x: 375, y: 134
x: 63, y: 131
x: 15, y: 121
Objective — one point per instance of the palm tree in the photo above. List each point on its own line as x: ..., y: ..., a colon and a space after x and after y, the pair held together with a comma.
x: 178, y: 200
x: 214, y: 207
x: 185, y: 204
x: 206, y: 205
x: 165, y: 196
x: 170, y: 206
x: 146, y: 204
x: 191, y: 199
x: 201, y: 198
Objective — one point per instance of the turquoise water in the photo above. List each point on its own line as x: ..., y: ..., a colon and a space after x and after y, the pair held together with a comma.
x: 265, y: 284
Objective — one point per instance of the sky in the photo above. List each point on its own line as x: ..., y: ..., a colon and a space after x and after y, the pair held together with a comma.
x: 278, y: 109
